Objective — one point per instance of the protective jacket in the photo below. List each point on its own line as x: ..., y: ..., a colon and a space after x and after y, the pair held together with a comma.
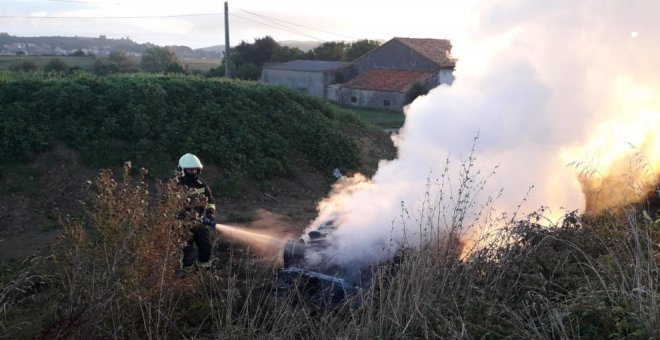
x: 199, y: 201
x: 199, y: 197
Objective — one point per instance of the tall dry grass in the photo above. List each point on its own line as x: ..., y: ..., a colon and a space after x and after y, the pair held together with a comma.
x: 113, y: 276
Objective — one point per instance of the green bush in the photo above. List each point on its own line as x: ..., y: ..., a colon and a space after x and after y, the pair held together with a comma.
x: 242, y: 128
x: 24, y: 66
x: 55, y: 65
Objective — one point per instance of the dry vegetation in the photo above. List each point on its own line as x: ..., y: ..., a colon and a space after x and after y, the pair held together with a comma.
x: 112, y: 275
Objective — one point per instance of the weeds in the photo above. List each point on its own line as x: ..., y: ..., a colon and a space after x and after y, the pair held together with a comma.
x: 112, y: 276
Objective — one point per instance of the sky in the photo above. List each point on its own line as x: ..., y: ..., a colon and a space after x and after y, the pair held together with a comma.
x: 200, y: 23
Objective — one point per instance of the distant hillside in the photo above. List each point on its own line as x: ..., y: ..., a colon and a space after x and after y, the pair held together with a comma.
x: 302, y: 45
x: 214, y: 48
x: 57, y: 45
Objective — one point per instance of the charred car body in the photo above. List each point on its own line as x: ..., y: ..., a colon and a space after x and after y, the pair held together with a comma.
x: 308, y: 271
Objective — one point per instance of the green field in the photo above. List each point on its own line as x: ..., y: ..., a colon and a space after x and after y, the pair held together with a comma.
x: 385, y: 119
x: 87, y: 63
x: 192, y: 64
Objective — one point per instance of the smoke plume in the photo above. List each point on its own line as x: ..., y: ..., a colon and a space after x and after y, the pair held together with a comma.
x: 559, y: 93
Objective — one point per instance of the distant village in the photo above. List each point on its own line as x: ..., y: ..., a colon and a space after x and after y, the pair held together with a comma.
x: 18, y: 48
x: 101, y: 46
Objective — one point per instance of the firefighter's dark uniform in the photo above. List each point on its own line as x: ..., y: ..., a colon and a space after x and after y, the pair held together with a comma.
x: 199, y: 202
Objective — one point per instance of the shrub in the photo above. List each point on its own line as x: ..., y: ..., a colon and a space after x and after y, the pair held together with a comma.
x: 25, y: 65
x: 116, y: 265
x: 242, y: 128
x: 55, y: 65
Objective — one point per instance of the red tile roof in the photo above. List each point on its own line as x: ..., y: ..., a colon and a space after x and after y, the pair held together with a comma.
x: 437, y: 50
x: 386, y: 80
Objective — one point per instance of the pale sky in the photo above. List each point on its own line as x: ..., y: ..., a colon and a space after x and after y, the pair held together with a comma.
x: 200, y: 23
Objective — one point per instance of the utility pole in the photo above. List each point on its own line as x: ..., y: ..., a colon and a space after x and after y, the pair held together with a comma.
x: 227, y: 73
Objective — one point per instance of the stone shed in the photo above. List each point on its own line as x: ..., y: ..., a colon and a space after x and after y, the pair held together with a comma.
x: 310, y: 76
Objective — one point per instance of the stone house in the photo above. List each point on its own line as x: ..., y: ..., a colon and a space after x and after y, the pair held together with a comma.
x: 383, y: 78
x: 310, y: 76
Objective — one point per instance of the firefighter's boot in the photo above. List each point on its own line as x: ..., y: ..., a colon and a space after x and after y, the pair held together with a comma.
x: 206, y: 266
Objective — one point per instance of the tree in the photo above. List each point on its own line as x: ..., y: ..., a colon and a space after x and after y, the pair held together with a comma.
x: 159, y: 59
x: 56, y: 65
x: 248, y: 72
x: 331, y: 50
x: 415, y: 91
x: 26, y: 65
x: 117, y: 62
x: 248, y: 59
x: 121, y: 60
x: 103, y: 67
x: 216, y: 72
x: 257, y: 53
x: 263, y: 50
x: 360, y: 48
x: 285, y: 53
x: 78, y: 53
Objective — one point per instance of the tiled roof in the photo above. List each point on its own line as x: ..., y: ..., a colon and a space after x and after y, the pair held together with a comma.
x: 437, y: 50
x: 308, y: 65
x: 386, y: 80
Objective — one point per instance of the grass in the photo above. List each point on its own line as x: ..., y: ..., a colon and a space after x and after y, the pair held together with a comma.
x: 384, y: 119
x: 112, y: 275
x: 204, y: 65
x: 85, y: 63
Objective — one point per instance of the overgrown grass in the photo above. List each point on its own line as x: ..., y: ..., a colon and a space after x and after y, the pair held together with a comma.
x: 112, y: 276
x: 384, y: 119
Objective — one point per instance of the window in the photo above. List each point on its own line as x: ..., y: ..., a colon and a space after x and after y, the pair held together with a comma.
x: 386, y: 102
x: 353, y: 99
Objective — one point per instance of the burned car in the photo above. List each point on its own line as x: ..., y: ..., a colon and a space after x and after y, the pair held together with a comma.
x: 307, y: 271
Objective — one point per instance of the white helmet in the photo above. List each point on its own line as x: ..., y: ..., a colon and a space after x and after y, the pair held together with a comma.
x: 190, y: 161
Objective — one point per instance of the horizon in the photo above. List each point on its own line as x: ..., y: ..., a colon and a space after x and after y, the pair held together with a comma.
x: 201, y: 24
x: 142, y: 43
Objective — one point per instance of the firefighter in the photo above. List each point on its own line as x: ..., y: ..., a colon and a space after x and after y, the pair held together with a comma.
x: 198, y: 212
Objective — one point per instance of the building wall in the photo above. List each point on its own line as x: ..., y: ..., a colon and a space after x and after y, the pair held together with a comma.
x: 341, y: 75
x: 311, y: 82
x: 394, y: 54
x: 445, y: 76
x: 326, y: 84
x: 334, y: 93
x: 369, y: 98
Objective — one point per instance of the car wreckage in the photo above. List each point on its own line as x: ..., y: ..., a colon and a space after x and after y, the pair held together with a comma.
x: 307, y: 271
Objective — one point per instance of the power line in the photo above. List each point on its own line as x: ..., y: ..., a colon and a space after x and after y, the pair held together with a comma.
x: 279, y: 28
x: 291, y: 23
x: 270, y: 19
x: 289, y: 29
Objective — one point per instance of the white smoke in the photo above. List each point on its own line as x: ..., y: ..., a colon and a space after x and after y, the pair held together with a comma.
x: 540, y: 82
